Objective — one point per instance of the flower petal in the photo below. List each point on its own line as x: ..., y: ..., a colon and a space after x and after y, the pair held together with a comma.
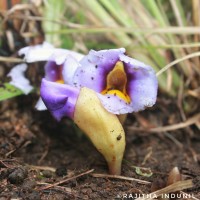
x: 53, y: 71
x: 114, y: 104
x: 94, y: 68
x: 36, y: 53
x: 60, y: 99
x: 18, y: 79
x: 142, y: 88
x: 60, y: 55
x: 69, y: 68
x: 142, y: 84
x: 63, y: 69
x: 43, y: 52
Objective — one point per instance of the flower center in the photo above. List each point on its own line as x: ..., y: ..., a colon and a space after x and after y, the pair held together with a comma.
x: 116, y: 82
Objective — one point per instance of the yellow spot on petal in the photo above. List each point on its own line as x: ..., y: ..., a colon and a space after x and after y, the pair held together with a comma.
x: 60, y: 81
x: 116, y: 82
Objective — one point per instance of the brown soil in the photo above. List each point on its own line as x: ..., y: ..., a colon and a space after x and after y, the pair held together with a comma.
x: 36, y: 152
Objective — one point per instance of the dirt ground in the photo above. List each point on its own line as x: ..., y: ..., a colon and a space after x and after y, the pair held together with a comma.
x: 43, y: 159
x: 37, y: 152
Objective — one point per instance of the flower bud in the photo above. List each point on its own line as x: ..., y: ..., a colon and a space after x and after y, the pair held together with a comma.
x: 103, y: 128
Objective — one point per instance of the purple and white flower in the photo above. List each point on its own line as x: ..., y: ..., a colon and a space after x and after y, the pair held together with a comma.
x: 123, y: 84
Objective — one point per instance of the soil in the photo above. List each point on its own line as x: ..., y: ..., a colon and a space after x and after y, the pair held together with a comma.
x: 43, y: 159
x: 36, y: 152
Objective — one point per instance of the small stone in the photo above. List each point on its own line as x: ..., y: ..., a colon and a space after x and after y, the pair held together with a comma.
x: 28, y: 185
x: 47, y: 173
x: 61, y: 171
x: 18, y: 175
x: 174, y: 176
x: 84, y: 190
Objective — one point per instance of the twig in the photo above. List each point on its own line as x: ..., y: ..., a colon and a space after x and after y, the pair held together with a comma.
x: 172, y: 138
x: 19, y: 7
x: 5, y: 165
x: 43, y: 168
x: 60, y: 188
x: 43, y: 155
x: 10, y: 152
x: 120, y: 177
x: 38, y: 18
x: 196, y: 54
x: 181, y: 125
x: 11, y: 59
x: 180, y: 185
x: 24, y: 144
x: 66, y: 180
x: 78, y: 27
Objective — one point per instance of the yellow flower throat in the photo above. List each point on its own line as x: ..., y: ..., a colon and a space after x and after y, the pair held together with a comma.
x: 116, y: 82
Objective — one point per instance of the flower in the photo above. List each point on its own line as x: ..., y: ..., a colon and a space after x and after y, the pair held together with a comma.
x: 101, y: 86
x: 57, y: 60
x: 123, y: 84
x: 93, y: 90
x: 60, y: 68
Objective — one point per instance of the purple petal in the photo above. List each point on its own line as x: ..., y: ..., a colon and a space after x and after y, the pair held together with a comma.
x: 60, y: 99
x: 53, y: 71
x: 94, y: 68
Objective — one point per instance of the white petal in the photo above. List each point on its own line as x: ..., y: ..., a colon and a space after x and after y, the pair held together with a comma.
x: 40, y: 105
x: 134, y: 62
x: 114, y: 104
x: 43, y: 52
x: 18, y: 79
x: 40, y: 52
x: 69, y: 68
x: 60, y: 55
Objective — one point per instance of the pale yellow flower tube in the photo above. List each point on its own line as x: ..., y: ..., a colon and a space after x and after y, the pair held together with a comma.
x: 103, y: 128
